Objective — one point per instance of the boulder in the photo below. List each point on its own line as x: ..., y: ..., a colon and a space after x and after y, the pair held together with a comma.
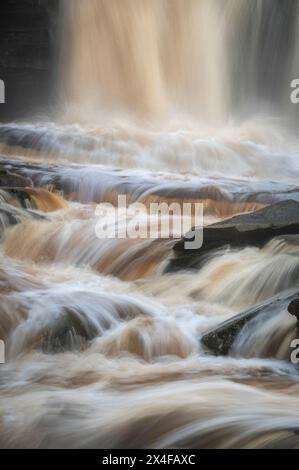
x: 70, y: 332
x: 255, y: 228
x: 293, y: 309
x: 220, y: 339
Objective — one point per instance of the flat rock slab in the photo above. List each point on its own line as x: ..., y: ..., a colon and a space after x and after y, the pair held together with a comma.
x: 220, y: 339
x: 9, y: 178
x: 255, y: 228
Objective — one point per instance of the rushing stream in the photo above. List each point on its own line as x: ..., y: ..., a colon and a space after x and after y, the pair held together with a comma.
x: 160, y: 100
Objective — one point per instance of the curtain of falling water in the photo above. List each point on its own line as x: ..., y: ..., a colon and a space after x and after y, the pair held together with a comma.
x: 212, y: 58
x: 148, y: 56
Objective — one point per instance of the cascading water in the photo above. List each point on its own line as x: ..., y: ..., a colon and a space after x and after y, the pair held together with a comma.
x: 160, y: 100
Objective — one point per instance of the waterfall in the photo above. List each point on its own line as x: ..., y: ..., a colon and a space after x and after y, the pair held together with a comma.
x: 212, y: 59
x: 164, y: 102
x: 148, y: 57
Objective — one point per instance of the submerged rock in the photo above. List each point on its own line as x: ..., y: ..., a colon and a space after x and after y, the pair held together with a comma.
x: 255, y: 228
x: 10, y: 215
x: 220, y: 339
x: 15, y: 197
x: 32, y: 198
x: 71, y: 332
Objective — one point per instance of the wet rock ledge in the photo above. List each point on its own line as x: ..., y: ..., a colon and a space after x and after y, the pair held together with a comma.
x: 253, y: 229
x: 20, y: 201
x: 219, y: 340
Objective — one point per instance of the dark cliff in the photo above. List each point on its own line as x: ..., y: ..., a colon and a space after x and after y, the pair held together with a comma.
x: 28, y: 55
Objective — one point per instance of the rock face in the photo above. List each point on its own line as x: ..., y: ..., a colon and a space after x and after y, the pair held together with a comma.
x: 256, y: 228
x: 220, y: 339
x: 28, y: 37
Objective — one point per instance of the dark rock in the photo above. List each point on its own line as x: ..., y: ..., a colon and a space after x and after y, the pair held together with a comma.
x: 71, y: 332
x: 10, y: 215
x: 220, y: 339
x: 9, y: 179
x: 293, y: 309
x: 15, y: 197
x: 255, y: 228
x: 36, y: 199
x: 28, y: 55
